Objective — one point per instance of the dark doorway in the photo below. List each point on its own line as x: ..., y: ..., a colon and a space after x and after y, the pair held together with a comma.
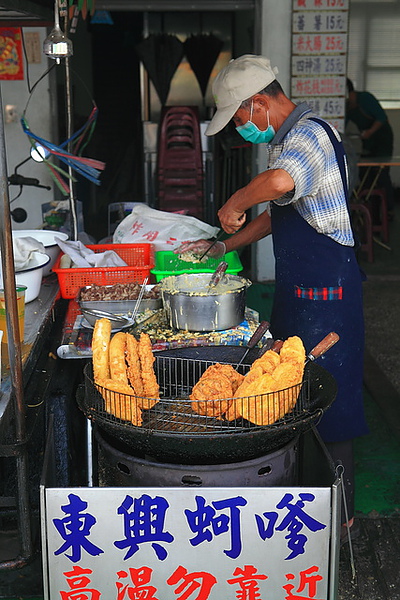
x: 118, y: 136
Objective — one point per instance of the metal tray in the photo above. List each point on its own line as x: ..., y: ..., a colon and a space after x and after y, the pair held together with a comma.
x: 120, y: 306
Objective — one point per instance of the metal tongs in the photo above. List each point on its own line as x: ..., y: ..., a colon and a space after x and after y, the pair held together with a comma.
x: 220, y: 234
x: 139, y: 299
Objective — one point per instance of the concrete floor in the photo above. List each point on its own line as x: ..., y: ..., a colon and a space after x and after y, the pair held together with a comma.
x: 376, y: 551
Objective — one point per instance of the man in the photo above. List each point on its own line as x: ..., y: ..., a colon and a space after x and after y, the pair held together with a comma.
x: 365, y: 111
x: 318, y: 285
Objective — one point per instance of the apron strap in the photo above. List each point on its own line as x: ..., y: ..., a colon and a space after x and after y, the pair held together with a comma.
x: 339, y: 151
x: 340, y: 157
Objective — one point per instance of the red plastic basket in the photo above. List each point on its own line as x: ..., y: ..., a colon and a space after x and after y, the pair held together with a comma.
x: 138, y: 257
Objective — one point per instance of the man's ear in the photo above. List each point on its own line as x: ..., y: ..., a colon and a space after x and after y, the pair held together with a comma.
x: 261, y: 101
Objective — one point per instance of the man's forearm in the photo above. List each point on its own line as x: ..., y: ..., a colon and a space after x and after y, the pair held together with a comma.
x: 266, y: 186
x: 366, y: 134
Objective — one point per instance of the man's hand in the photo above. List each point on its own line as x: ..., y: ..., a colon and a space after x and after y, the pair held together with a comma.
x: 231, y: 220
x: 264, y: 187
x: 232, y: 215
x: 198, y: 248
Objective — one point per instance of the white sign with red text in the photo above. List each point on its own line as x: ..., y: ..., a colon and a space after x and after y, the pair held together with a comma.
x: 320, y: 4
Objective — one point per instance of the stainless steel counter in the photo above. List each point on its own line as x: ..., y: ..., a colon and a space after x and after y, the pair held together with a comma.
x: 39, y: 317
x: 41, y: 389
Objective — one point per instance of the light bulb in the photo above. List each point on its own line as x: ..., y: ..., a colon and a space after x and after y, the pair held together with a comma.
x: 57, y: 45
x: 39, y: 153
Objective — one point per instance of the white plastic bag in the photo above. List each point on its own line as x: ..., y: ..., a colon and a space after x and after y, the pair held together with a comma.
x: 164, y: 230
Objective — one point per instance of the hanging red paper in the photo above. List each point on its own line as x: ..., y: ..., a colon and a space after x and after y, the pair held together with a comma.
x: 11, y: 55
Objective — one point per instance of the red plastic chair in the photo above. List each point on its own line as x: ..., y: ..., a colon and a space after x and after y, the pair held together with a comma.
x: 180, y: 177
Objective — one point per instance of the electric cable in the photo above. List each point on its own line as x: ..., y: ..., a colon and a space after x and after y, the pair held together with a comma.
x: 86, y: 167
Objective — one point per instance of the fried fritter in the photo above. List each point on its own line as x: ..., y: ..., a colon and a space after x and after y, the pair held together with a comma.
x: 212, y: 396
x: 125, y: 368
x: 151, y: 390
x: 233, y: 411
x: 100, y: 348
x: 119, y: 401
x: 252, y: 375
x: 288, y: 374
x: 293, y: 350
x: 262, y: 385
x: 145, y: 353
x: 133, y: 362
x: 263, y: 397
x: 260, y: 406
x: 227, y: 370
x: 267, y: 361
x: 117, y: 358
x: 213, y: 393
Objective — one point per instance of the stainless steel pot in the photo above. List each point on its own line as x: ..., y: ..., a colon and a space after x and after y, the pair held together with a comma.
x: 191, y: 305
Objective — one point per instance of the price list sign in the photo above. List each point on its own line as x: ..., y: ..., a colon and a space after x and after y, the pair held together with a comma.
x: 319, y: 57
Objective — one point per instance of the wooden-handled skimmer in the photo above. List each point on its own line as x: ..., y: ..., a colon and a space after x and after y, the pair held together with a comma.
x: 323, y: 346
x: 255, y: 338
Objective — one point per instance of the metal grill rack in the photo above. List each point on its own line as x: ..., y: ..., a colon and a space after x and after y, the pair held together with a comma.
x: 174, y: 414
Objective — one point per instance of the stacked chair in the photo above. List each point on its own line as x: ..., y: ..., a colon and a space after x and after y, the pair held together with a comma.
x: 180, y: 177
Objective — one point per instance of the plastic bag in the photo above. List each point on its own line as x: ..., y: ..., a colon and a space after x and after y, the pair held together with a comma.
x: 165, y: 230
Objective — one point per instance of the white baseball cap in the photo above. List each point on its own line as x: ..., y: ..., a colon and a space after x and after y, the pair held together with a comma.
x: 239, y: 80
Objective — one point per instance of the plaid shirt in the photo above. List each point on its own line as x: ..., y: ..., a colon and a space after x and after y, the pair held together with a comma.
x: 302, y: 148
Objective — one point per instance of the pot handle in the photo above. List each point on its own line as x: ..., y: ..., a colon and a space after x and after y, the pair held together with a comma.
x: 323, y: 346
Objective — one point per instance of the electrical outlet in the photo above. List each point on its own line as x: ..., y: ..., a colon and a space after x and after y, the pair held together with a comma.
x: 10, y: 113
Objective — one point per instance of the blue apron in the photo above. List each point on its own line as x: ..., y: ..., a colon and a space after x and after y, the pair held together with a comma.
x: 318, y: 289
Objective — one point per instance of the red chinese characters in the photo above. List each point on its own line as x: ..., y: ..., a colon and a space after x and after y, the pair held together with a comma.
x: 78, y: 582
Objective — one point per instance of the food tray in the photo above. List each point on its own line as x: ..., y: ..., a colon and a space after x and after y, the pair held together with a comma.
x: 167, y: 263
x: 117, y: 307
x: 139, y: 258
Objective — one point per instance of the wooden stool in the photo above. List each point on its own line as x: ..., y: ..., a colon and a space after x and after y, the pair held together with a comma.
x: 367, y: 197
x: 362, y: 216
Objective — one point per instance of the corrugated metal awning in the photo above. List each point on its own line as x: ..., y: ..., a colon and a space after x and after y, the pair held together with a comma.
x: 174, y: 5
x: 25, y: 10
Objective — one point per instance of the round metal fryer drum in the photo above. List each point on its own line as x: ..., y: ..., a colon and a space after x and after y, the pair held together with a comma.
x: 119, y: 468
x: 215, y: 448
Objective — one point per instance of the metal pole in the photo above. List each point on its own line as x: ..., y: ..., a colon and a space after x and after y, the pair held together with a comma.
x: 70, y: 131
x: 14, y: 355
x: 69, y: 116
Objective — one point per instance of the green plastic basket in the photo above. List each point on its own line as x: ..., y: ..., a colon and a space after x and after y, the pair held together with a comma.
x: 167, y: 263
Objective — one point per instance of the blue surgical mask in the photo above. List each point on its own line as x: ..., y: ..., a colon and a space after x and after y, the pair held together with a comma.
x: 251, y: 133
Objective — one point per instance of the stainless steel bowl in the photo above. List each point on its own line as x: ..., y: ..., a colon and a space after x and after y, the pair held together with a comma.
x: 117, y: 321
x: 191, y: 305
